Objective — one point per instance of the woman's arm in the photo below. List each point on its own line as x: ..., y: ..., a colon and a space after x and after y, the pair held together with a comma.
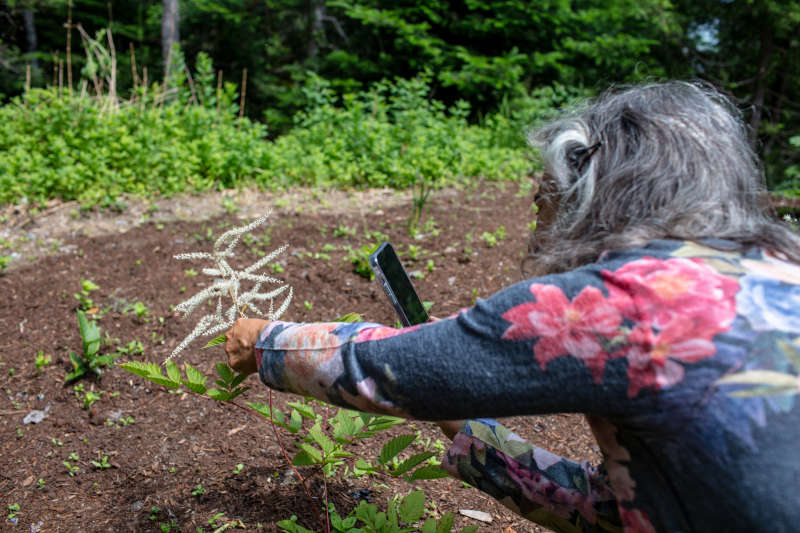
x: 547, y: 489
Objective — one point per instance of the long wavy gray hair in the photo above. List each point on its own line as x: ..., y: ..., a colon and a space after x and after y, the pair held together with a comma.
x: 666, y: 160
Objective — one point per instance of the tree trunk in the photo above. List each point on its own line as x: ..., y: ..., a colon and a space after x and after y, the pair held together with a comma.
x: 30, y: 38
x: 169, y: 30
x: 760, y: 83
x: 316, y: 29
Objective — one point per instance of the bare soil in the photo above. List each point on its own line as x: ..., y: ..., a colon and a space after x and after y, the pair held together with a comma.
x: 161, y: 446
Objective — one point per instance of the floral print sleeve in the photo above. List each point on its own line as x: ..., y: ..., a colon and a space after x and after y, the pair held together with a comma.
x: 541, y: 486
x: 684, y: 358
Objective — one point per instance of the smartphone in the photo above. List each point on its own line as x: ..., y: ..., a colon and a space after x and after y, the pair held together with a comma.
x: 395, y: 281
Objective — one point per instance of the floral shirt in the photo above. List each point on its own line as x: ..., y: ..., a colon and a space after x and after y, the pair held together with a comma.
x: 684, y: 358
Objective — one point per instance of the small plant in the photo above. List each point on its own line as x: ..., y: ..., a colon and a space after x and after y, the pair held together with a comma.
x: 85, y: 301
x: 13, y: 509
x: 4, y: 261
x: 491, y: 239
x: 40, y: 483
x: 89, y: 362
x: 41, y: 361
x: 72, y: 470
x: 343, y: 231
x: 102, y: 464
x: 199, y: 490
x: 359, y: 258
x: 308, y: 305
x: 140, y: 309
x: 239, y: 468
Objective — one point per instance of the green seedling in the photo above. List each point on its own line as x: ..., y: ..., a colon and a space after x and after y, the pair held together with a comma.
x: 72, y: 470
x: 199, y: 491
x: 85, y: 301
x: 89, y: 362
x: 13, y: 509
x: 343, y: 231
x: 102, y: 464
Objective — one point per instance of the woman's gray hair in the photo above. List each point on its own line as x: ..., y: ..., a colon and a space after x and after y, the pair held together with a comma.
x: 667, y: 160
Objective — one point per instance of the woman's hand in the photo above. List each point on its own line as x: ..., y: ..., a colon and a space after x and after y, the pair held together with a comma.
x: 240, y: 346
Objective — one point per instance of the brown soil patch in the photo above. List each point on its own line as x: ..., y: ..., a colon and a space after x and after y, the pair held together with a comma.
x: 177, y: 441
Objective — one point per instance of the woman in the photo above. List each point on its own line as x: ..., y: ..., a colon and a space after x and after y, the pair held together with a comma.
x: 667, y: 309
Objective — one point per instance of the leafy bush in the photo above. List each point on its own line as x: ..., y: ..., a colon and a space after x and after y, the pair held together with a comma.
x: 94, y: 148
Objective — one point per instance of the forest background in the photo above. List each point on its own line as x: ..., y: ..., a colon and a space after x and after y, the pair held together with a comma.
x: 498, y: 66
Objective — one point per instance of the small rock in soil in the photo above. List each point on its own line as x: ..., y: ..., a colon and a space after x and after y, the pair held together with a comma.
x: 35, y: 416
x: 477, y: 515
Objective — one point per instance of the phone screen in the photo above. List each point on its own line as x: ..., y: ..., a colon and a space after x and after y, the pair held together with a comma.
x: 396, y: 283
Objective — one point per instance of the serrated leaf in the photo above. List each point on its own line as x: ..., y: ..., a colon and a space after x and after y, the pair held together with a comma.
x: 303, y: 459
x: 411, y: 462
x: 412, y: 507
x: 225, y: 372
x: 236, y: 392
x: 161, y: 380
x: 264, y: 411
x: 198, y: 388
x: 428, y: 472
x: 445, y: 524
x: 321, y: 439
x: 238, y: 380
x: 194, y: 376
x: 140, y: 369
x: 295, y: 421
x: 395, y: 446
x: 429, y: 526
x: 348, y: 317
x: 217, y: 394
x: 305, y: 410
x: 219, y: 339
x: 173, y: 372
x: 311, y: 451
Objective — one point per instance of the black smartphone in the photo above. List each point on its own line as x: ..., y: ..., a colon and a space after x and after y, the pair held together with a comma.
x: 395, y: 281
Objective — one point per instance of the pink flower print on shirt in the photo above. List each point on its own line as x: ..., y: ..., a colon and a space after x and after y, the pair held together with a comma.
x: 565, y: 328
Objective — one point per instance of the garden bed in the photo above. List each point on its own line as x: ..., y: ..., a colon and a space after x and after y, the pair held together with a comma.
x: 175, y: 461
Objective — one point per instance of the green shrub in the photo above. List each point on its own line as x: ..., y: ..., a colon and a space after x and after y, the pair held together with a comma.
x: 94, y: 148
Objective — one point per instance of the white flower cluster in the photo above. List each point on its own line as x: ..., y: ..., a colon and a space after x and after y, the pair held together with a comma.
x: 228, y: 283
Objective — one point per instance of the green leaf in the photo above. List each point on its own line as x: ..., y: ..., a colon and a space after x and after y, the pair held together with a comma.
x: 321, y: 439
x: 303, y: 459
x: 295, y: 421
x: 173, y: 372
x: 348, y: 317
x: 141, y: 369
x: 311, y: 451
x: 446, y: 522
x: 412, y: 507
x: 429, y: 526
x: 470, y: 529
x: 219, y: 339
x: 193, y: 375
x: 238, y: 380
x: 225, y: 372
x: 217, y: 394
x: 264, y: 411
x: 161, y: 380
x: 198, y: 388
x: 428, y: 472
x: 307, y: 411
x: 236, y: 392
x: 411, y: 462
x: 395, y: 446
